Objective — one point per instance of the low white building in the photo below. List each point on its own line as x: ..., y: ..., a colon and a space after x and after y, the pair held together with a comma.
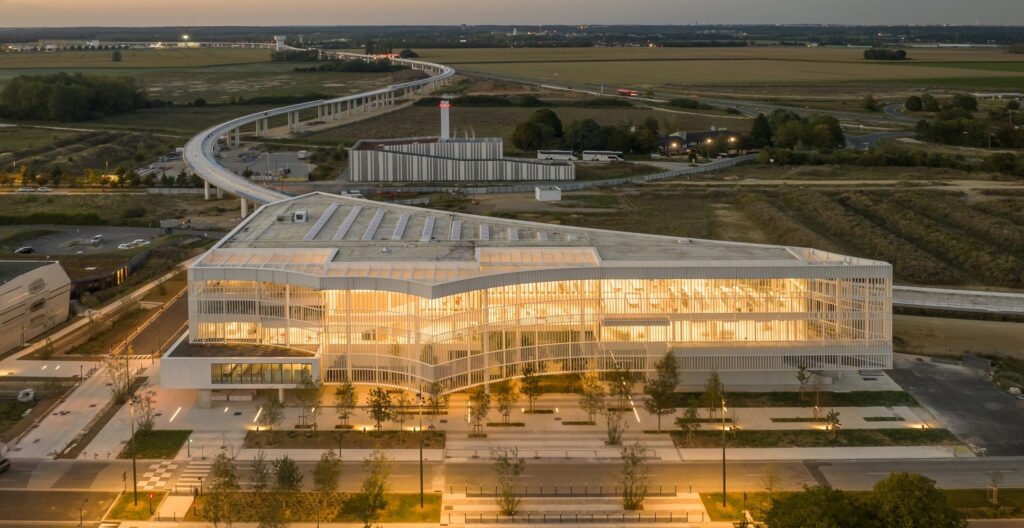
x: 548, y: 193
x: 34, y: 297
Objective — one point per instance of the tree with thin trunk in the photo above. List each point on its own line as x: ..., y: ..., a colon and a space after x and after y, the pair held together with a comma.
x: 802, y: 377
x: 833, y: 424
x: 380, y: 405
x: 620, y: 386
x: 508, y: 469
x: 221, y: 504
x: 592, y: 395
x: 689, y: 423
x: 506, y: 395
x: 403, y: 408
x: 437, y: 400
x: 772, y: 480
x: 287, y: 485
x: 713, y: 393
x: 259, y: 473
x: 660, y: 392
x: 119, y: 377
x: 372, y: 498
x: 273, y: 413
x: 326, y: 476
x: 479, y: 406
x: 345, y: 401
x: 633, y: 477
x: 308, y: 394
x: 145, y: 412
x: 615, y: 425
x: 530, y: 386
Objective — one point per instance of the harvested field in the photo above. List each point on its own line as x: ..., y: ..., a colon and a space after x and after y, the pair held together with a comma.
x: 135, y: 58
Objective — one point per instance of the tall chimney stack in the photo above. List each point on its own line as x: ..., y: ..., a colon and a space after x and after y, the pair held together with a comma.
x: 446, y: 104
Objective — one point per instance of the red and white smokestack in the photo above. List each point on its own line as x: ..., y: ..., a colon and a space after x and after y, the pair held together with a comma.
x: 445, y: 119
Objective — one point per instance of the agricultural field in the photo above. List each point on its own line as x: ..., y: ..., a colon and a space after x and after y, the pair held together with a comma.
x: 689, y: 68
x: 133, y: 58
x: 501, y: 121
x: 17, y: 138
x: 140, y: 210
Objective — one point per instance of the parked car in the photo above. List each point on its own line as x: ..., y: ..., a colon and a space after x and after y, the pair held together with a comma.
x: 96, y: 240
x: 126, y: 245
x: 25, y: 250
x: 140, y: 242
x: 26, y: 189
x: 43, y: 189
x: 27, y: 395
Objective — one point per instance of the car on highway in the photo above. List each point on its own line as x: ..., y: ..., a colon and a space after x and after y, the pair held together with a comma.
x: 26, y: 189
x: 44, y: 189
x: 96, y: 240
x: 126, y: 245
x: 140, y: 242
x: 25, y: 250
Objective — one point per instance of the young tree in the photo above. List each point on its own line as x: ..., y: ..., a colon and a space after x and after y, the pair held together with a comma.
x: 308, y: 394
x: 259, y: 473
x: 505, y: 397
x: 116, y: 56
x: 220, y: 506
x: 633, y: 477
x: 119, y: 377
x: 345, y: 401
x: 909, y: 500
x: 508, y: 469
x: 145, y: 412
x: 403, y: 407
x: 620, y: 386
x: 592, y: 395
x: 326, y: 476
x: 689, y: 423
x: 802, y: 377
x: 660, y: 391
x: 771, y: 480
x: 380, y: 406
x: 914, y: 104
x: 713, y: 393
x: 287, y: 476
x: 371, y: 499
x: 480, y: 405
x: 273, y: 413
x: 530, y: 386
x: 437, y: 400
x: 832, y: 423
x: 615, y: 425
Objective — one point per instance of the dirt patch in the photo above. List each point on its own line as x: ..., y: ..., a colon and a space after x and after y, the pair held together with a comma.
x: 933, y: 336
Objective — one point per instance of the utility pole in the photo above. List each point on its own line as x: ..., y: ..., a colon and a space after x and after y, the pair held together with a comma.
x: 419, y: 401
x: 723, y: 449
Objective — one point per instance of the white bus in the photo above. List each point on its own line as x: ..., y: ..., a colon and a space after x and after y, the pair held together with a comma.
x: 560, y: 155
x: 602, y: 155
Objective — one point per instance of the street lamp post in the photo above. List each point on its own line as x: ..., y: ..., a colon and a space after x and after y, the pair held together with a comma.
x: 723, y: 449
x: 135, y: 480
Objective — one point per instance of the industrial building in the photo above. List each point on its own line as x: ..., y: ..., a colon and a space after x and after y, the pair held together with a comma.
x: 447, y: 159
x: 34, y: 297
x: 343, y: 288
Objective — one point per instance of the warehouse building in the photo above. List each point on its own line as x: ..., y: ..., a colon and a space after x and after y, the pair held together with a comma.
x: 343, y: 288
x: 34, y: 297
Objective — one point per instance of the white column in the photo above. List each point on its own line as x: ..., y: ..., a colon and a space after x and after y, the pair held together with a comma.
x: 258, y: 121
x: 245, y: 208
x: 220, y: 193
x: 206, y: 190
x: 238, y: 136
x: 266, y: 125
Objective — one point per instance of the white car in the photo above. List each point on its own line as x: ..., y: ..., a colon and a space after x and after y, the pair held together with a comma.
x: 27, y: 395
x: 44, y: 189
x: 140, y: 242
x: 26, y: 189
x: 126, y: 245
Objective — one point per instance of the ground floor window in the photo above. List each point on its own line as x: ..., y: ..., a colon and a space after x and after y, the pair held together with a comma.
x: 259, y: 373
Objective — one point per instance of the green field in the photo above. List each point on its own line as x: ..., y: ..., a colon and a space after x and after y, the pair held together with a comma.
x: 156, y: 444
x: 686, y: 68
x: 17, y: 138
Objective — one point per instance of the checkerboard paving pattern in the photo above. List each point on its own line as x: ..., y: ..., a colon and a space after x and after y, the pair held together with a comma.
x: 158, y: 476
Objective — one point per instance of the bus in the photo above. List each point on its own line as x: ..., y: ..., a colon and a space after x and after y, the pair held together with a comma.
x: 602, y: 155
x: 553, y: 155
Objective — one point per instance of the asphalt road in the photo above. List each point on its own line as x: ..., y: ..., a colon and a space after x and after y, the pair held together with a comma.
x: 72, y: 240
x: 973, y: 408
x: 165, y: 327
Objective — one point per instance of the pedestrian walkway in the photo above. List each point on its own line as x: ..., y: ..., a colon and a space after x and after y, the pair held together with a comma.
x: 594, y: 507
x: 158, y: 477
x: 195, y: 474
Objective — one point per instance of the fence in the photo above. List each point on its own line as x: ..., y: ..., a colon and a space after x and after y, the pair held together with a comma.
x: 174, y: 190
x: 571, y: 490
x: 568, y: 186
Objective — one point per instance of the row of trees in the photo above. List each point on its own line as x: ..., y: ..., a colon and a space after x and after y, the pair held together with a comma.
x: 69, y: 97
x: 355, y: 66
x: 544, y: 130
x: 277, y: 496
x: 787, y: 130
x: 885, y: 54
x: 928, y: 103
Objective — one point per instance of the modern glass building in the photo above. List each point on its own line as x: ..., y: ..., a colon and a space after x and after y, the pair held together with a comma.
x: 350, y: 289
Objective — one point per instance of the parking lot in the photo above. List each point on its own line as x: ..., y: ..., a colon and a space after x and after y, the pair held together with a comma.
x: 77, y: 240
x: 280, y: 164
x: 972, y: 407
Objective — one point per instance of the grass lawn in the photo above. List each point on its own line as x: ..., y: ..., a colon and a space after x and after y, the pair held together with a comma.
x: 170, y: 288
x: 102, y: 342
x: 138, y: 58
x: 10, y: 414
x: 341, y: 439
x: 17, y: 138
x: 815, y: 438
x: 401, y: 508
x: 125, y: 509
x: 157, y: 444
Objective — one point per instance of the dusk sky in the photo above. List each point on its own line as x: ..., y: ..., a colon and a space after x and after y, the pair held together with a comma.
x: 21, y: 13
